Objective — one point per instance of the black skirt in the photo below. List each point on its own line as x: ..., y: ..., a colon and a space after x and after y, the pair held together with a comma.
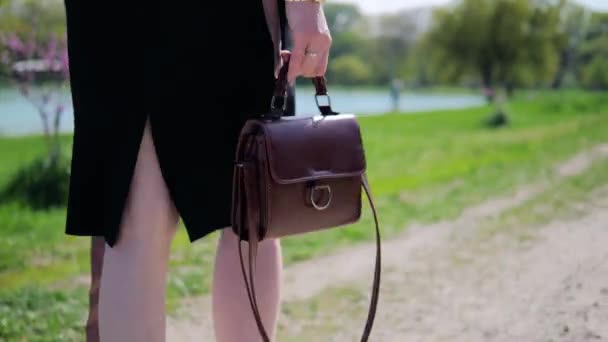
x: 197, y: 71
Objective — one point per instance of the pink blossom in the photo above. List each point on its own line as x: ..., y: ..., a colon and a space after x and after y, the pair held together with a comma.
x: 50, y: 53
x: 65, y: 64
x: 15, y: 44
x: 30, y: 48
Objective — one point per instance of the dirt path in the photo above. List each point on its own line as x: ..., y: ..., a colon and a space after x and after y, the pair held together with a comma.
x: 427, y: 298
x: 551, y: 285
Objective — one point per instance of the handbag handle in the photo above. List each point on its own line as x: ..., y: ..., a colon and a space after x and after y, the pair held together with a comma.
x: 279, y: 97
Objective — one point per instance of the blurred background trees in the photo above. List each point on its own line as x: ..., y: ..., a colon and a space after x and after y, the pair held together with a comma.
x: 593, y: 54
x: 494, y: 44
x: 514, y: 43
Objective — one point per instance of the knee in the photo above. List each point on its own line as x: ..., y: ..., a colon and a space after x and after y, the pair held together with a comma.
x: 143, y: 232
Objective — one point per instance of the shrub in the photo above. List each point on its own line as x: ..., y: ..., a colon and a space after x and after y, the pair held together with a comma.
x: 498, y: 119
x: 42, y: 184
x: 595, y: 75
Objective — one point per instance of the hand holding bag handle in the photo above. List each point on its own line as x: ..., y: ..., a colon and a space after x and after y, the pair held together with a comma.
x: 251, y: 199
x: 279, y: 98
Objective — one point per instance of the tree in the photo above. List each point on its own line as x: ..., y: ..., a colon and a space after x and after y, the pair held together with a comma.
x: 594, y: 54
x: 349, y: 70
x: 342, y: 17
x: 595, y: 74
x: 39, y: 68
x: 381, y: 42
x: 30, y: 17
x: 574, y: 26
x: 504, y: 43
x: 390, y: 47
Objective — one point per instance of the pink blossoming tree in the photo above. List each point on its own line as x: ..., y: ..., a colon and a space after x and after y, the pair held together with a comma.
x: 40, y: 70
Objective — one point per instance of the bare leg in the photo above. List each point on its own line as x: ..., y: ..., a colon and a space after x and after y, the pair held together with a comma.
x: 233, y: 319
x: 97, y: 251
x: 132, y: 295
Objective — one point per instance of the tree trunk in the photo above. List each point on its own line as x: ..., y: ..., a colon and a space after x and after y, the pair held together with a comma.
x: 510, y: 89
x: 564, y: 64
x: 487, y: 81
x: 55, y: 140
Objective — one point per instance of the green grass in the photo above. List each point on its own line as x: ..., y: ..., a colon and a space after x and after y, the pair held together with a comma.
x: 565, y: 200
x: 39, y: 314
x: 422, y: 168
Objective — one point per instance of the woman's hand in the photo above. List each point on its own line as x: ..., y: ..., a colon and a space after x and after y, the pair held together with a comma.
x: 311, y: 39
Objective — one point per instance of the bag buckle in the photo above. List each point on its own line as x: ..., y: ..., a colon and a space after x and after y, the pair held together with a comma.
x: 320, y: 188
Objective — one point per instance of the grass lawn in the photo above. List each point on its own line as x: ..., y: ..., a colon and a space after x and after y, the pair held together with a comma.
x: 423, y: 167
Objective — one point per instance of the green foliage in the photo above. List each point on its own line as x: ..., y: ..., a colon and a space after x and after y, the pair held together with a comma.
x: 593, y: 54
x: 502, y: 42
x: 342, y: 17
x: 350, y: 70
x: 37, y: 314
x: 42, y: 184
x: 347, y: 43
x: 497, y: 120
x: 384, y: 48
x: 32, y: 16
x: 387, y: 51
x: 570, y: 102
x: 595, y: 74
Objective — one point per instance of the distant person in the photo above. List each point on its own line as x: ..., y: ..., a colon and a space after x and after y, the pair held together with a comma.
x: 160, y: 93
x: 489, y: 93
x: 396, y: 88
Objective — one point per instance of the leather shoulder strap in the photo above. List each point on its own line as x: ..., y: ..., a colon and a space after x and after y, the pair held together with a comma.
x: 373, y: 306
x: 249, y: 278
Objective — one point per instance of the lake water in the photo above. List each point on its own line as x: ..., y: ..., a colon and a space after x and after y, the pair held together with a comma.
x: 18, y: 116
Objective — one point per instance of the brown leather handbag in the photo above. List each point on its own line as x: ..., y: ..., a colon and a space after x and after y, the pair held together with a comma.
x: 299, y: 175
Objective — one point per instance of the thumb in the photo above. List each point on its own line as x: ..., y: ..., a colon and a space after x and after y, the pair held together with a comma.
x: 283, y: 57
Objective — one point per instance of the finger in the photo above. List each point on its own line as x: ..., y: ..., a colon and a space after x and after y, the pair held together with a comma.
x: 309, y: 65
x: 321, y: 68
x: 297, y: 58
x: 284, y: 57
x: 321, y: 45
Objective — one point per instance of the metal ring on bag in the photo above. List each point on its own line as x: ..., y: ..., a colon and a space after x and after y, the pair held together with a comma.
x: 312, y: 196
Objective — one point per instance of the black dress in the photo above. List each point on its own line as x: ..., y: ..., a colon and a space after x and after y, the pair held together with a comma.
x: 196, y: 70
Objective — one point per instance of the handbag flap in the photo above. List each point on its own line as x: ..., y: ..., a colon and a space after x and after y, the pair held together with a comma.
x: 313, y: 148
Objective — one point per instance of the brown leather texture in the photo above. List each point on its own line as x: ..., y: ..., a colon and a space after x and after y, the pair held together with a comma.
x: 290, y: 165
x: 315, y: 147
